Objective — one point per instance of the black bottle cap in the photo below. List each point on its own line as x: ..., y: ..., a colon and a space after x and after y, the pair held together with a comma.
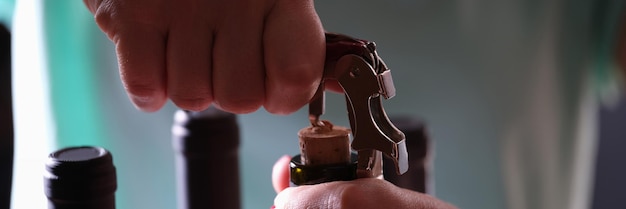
x: 209, y: 132
x: 80, y: 174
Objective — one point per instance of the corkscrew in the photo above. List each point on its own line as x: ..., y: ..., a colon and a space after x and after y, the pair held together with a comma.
x: 364, y: 78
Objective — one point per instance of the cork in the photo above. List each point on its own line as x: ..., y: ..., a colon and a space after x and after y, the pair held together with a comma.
x: 324, y: 145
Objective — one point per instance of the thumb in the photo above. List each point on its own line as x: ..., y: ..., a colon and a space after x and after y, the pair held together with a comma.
x: 363, y: 193
x: 315, y: 196
x: 280, y: 173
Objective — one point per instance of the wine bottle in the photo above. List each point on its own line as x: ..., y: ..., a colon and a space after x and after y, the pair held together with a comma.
x: 80, y: 178
x: 206, y: 144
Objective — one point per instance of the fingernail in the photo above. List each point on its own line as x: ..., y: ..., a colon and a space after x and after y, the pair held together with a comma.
x: 143, y: 103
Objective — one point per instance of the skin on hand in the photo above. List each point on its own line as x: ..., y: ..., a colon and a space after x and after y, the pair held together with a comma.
x: 239, y: 55
x: 363, y: 193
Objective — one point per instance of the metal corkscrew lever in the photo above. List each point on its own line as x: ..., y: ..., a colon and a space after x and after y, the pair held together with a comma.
x: 364, y: 78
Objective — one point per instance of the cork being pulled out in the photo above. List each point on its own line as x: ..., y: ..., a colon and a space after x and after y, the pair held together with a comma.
x: 324, y: 145
x: 325, y: 155
x: 325, y: 150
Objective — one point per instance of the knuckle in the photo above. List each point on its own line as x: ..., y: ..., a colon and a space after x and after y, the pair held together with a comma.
x: 92, y: 5
x: 116, y: 18
x: 105, y: 16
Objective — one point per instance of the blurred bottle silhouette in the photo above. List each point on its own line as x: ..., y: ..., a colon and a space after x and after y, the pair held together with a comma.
x: 417, y: 178
x: 80, y: 178
x: 207, y: 164
x: 6, y: 119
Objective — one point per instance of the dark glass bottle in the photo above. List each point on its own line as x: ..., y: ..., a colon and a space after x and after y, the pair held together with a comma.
x: 207, y: 163
x: 80, y: 178
x: 301, y: 174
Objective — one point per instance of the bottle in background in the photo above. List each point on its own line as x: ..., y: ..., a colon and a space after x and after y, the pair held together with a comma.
x: 80, y: 178
x: 206, y: 144
x: 417, y: 178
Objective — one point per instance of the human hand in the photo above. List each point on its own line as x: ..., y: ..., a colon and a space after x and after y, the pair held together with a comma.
x: 362, y: 193
x: 239, y: 55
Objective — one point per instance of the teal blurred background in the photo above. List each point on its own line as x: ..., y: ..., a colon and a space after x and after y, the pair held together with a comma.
x: 505, y: 87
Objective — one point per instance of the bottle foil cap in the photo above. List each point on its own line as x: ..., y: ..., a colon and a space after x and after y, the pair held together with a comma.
x: 80, y: 173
